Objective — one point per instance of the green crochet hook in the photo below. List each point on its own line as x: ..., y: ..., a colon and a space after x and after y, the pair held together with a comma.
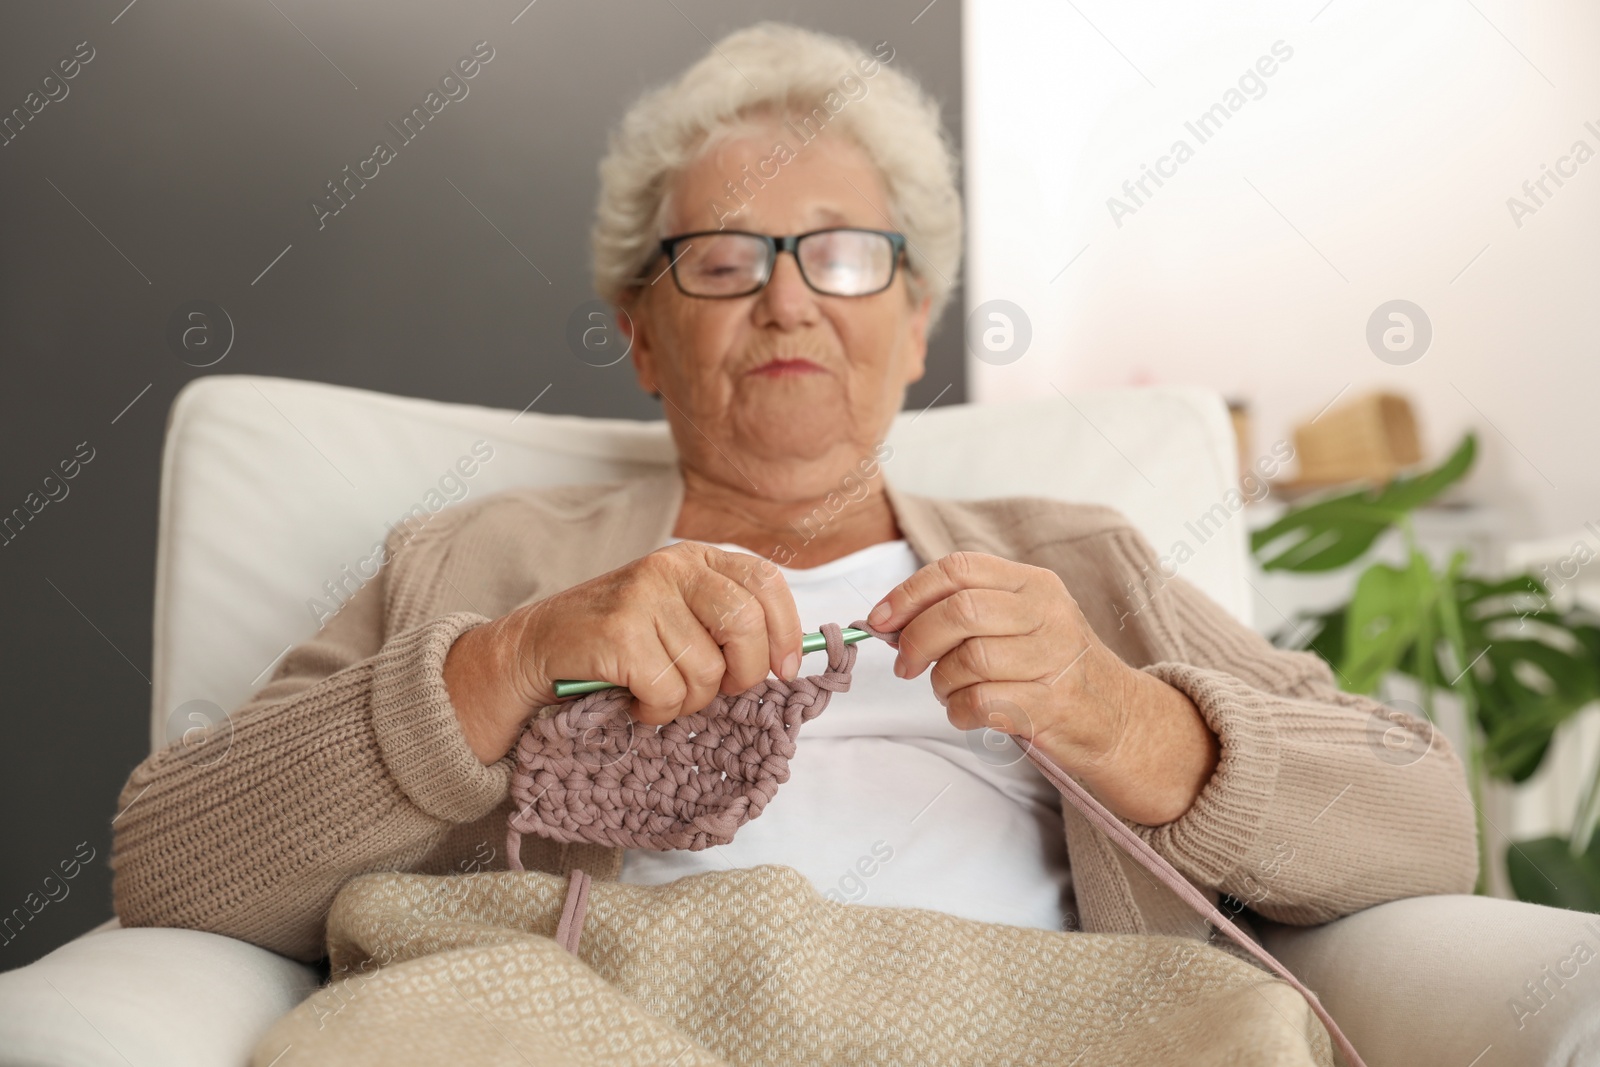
x: 808, y: 643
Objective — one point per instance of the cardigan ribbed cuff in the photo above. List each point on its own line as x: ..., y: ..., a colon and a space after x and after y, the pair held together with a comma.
x: 1219, y: 832
x: 418, y: 733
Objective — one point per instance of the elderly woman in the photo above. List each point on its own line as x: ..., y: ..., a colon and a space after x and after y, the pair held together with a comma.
x: 779, y: 230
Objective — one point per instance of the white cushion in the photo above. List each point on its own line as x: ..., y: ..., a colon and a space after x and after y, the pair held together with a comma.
x: 114, y: 997
x: 270, y: 486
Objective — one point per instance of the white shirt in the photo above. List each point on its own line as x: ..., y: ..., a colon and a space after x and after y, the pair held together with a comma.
x: 887, y: 803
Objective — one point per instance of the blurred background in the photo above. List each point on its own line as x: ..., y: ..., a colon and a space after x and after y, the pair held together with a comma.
x: 1370, y: 226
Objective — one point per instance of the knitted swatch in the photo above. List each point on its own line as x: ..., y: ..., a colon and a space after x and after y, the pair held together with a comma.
x: 591, y: 772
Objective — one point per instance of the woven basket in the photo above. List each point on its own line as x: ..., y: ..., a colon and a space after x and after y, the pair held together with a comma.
x: 1368, y: 438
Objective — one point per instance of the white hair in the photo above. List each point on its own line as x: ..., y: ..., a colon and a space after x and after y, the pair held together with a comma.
x: 775, y: 71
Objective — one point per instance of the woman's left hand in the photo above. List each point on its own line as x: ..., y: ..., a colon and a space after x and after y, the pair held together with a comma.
x: 1012, y: 651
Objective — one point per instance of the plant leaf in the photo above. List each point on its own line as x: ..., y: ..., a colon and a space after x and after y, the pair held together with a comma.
x: 1546, y: 872
x: 1382, y: 623
x: 1336, y: 530
x: 1519, y: 718
x: 1327, y: 640
x: 1408, y: 494
x: 1324, y: 535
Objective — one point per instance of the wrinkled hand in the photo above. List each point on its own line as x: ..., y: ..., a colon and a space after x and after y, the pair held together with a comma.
x: 1012, y: 651
x: 675, y: 627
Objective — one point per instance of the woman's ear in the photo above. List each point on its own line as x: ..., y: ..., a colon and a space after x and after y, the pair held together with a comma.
x: 632, y: 319
x: 917, y: 340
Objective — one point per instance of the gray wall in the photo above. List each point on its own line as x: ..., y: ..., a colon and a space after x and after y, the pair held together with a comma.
x: 179, y: 164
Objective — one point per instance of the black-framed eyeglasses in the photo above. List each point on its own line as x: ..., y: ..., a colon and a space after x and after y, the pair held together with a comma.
x: 839, y: 261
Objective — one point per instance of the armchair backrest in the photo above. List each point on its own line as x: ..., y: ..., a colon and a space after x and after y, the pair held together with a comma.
x: 271, y: 486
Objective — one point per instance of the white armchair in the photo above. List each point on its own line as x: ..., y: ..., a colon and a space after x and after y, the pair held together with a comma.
x: 271, y: 488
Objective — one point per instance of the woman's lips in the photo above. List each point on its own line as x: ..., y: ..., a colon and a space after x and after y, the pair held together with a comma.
x: 782, y: 368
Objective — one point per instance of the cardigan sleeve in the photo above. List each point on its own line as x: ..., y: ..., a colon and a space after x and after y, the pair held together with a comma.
x: 350, y: 760
x: 1323, y: 802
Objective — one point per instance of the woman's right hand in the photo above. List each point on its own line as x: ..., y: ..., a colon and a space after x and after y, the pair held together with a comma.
x: 675, y: 627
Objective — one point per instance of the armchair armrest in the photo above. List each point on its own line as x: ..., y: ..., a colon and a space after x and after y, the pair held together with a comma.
x: 177, y: 997
x: 1435, y: 981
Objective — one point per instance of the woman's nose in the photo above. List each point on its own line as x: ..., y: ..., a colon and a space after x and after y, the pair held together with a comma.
x: 786, y: 296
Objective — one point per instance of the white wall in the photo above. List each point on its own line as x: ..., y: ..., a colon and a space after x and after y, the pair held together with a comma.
x: 1391, y: 140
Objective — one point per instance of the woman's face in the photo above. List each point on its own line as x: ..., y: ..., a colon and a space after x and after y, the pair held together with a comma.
x: 780, y: 392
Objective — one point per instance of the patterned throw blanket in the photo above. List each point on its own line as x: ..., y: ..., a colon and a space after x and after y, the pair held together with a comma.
x: 754, y: 966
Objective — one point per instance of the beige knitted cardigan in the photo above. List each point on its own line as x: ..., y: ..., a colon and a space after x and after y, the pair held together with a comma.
x: 351, y: 760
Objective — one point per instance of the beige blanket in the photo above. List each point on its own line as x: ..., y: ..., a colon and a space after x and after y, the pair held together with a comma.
x: 753, y: 966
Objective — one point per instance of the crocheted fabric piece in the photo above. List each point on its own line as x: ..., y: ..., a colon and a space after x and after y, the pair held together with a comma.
x: 591, y: 772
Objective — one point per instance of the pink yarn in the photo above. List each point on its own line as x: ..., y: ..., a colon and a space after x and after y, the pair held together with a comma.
x: 591, y: 773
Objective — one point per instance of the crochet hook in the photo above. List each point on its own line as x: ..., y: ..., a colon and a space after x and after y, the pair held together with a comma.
x: 808, y: 643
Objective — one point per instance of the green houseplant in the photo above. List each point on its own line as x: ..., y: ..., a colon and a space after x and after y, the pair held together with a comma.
x: 1518, y: 667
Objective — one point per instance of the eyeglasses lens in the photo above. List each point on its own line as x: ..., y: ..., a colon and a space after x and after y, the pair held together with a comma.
x: 836, y: 262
